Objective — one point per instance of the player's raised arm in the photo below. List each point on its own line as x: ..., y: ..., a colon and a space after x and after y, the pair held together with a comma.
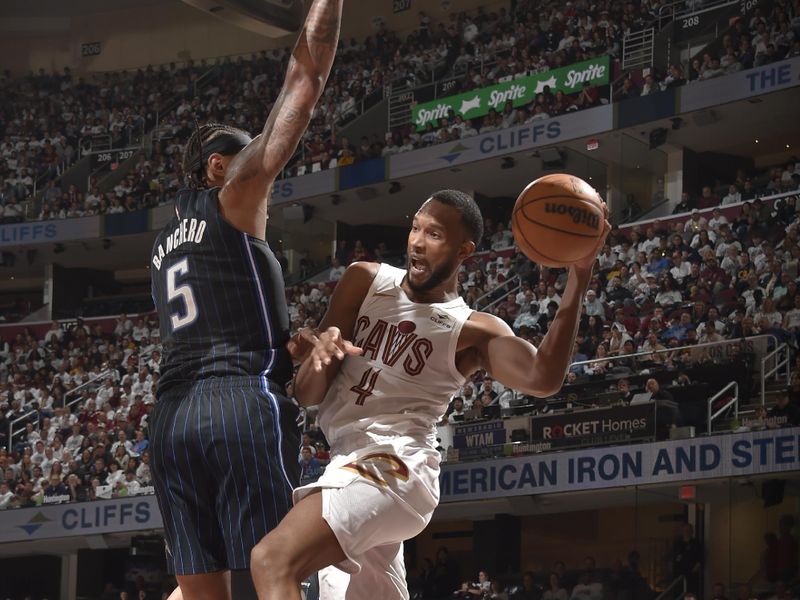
x: 332, y: 343
x: 249, y: 178
x: 518, y: 364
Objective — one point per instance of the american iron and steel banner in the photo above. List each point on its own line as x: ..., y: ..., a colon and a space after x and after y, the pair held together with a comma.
x: 734, y: 455
x: 522, y: 91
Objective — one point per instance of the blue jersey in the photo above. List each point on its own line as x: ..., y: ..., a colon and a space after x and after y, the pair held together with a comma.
x: 220, y: 298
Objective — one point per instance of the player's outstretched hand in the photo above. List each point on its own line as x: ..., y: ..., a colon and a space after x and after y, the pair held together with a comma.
x: 587, y: 264
x: 329, y: 345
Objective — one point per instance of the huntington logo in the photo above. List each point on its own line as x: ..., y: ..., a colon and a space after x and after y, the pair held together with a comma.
x: 519, y: 92
x: 34, y: 524
x: 454, y: 153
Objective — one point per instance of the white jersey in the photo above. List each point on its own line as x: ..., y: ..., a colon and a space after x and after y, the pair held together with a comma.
x: 403, y: 381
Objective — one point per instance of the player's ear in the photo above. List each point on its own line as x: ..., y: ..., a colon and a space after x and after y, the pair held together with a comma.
x: 466, y: 250
x: 216, y: 166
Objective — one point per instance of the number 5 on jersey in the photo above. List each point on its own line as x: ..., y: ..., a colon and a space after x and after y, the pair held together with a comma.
x: 366, y: 385
x: 181, y: 292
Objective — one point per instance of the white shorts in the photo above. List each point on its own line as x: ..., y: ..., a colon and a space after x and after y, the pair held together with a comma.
x: 373, y: 499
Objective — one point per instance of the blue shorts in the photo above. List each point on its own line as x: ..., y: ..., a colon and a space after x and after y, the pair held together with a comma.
x: 223, y: 456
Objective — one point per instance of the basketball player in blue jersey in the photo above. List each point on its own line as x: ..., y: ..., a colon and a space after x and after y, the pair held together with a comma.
x: 223, y: 434
x: 395, y: 346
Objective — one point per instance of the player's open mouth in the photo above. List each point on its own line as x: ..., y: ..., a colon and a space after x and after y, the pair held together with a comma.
x: 417, y: 266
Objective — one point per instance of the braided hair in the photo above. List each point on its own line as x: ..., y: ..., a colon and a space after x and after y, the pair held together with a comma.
x: 196, y: 151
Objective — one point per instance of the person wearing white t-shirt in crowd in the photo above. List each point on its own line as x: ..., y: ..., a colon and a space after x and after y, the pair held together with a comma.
x: 131, y: 484
x: 695, y: 223
x: 6, y: 495
x: 586, y: 588
x: 502, y: 238
x: 791, y: 321
x: 712, y: 317
x: 727, y: 241
x: 122, y: 440
x: 733, y: 196
x: 769, y: 313
x: 607, y: 259
x: 337, y: 270
x: 594, y: 306
x: 115, y: 474
x: 143, y: 470
x: 550, y: 296
x: 139, y: 331
x: 154, y: 363
x: 74, y: 441
x: 143, y: 384
x: 650, y: 243
x: 55, y: 333
x: 717, y: 220
x: 124, y: 325
x: 710, y: 334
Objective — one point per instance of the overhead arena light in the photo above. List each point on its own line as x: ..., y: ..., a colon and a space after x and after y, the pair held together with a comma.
x: 270, y: 18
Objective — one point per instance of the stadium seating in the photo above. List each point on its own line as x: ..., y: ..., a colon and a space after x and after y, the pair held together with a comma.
x: 474, y: 49
x: 695, y: 278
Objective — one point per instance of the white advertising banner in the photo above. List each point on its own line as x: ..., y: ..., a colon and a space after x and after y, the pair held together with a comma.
x: 546, y: 132
x: 744, y: 84
x: 735, y: 455
x: 43, y: 232
x: 135, y: 513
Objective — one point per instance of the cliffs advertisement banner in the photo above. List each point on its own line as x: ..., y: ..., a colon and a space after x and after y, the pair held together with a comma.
x: 478, y: 103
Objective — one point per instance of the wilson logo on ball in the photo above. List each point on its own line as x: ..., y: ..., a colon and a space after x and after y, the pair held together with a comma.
x: 579, y: 215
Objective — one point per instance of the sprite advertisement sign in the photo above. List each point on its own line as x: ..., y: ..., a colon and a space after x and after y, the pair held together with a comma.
x: 478, y: 103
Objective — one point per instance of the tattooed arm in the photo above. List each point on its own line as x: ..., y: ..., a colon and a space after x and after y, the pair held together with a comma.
x: 249, y: 178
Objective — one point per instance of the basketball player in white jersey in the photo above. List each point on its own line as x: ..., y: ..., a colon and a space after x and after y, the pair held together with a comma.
x: 414, y: 343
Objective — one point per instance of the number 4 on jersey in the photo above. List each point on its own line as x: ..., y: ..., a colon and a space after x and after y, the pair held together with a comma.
x: 366, y: 385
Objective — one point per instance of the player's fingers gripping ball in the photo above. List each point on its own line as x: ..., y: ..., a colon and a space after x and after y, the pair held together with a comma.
x: 558, y: 220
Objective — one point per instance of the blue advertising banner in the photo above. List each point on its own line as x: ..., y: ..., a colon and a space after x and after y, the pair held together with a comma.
x: 546, y: 132
x: 744, y: 84
x: 85, y: 518
x: 41, y: 232
x: 478, y: 435
x: 732, y: 455
x: 305, y: 186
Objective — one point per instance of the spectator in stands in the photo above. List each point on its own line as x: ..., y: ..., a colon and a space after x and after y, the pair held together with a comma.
x: 718, y: 592
x: 586, y: 589
x: 555, y: 591
x: 309, y: 465
x: 55, y: 487
x: 476, y: 589
x: 337, y: 270
x: 783, y: 413
x: 684, y: 206
x: 455, y: 412
x: 733, y: 196
x: 687, y: 558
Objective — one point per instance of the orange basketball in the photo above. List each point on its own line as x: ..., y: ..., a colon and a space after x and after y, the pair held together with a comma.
x: 557, y: 220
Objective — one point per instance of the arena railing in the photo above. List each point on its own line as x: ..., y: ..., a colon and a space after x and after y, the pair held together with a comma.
x: 102, y: 375
x: 495, y: 290
x: 31, y: 415
x: 681, y: 9
x: 764, y: 373
x: 704, y: 212
x: 782, y: 359
x: 672, y: 588
x: 733, y: 402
